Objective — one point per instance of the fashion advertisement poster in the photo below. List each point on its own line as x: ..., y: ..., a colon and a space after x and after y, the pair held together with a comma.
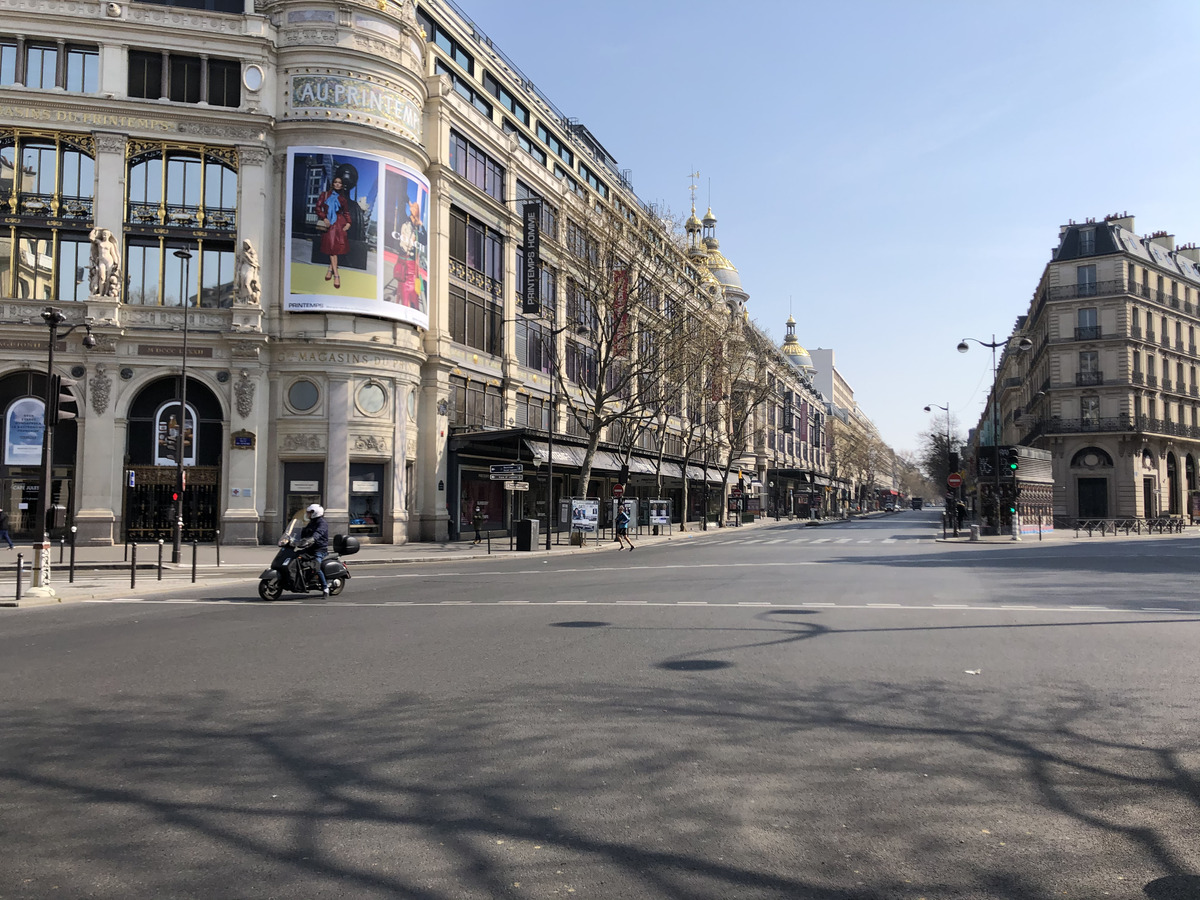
x: 23, y: 425
x: 168, y: 435
x: 358, y: 236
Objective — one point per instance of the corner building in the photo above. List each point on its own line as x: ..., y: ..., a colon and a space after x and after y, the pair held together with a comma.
x: 321, y: 202
x: 1110, y: 387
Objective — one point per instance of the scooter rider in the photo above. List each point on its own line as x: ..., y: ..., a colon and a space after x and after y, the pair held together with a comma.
x: 318, y: 531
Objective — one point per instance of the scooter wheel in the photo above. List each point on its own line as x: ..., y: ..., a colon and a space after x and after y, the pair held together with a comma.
x: 336, y: 586
x: 269, y: 590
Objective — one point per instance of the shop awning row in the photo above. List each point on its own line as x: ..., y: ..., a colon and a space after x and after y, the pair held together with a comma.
x: 604, y: 461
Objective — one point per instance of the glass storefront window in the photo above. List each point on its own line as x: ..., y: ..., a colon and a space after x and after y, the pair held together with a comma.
x: 366, y: 499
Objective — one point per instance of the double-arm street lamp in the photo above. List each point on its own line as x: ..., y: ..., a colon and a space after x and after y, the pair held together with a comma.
x: 54, y: 319
x: 1023, y: 344
x: 951, y: 512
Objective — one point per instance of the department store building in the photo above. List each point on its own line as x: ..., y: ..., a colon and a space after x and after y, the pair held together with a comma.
x: 322, y: 202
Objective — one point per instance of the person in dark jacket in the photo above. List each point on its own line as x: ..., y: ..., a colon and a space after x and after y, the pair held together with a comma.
x: 477, y: 521
x: 318, y: 530
x: 4, y: 525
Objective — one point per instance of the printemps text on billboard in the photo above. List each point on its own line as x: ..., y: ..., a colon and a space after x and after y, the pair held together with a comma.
x: 358, y: 236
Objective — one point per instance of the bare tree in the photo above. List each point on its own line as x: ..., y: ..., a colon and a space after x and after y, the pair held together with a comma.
x: 624, y: 305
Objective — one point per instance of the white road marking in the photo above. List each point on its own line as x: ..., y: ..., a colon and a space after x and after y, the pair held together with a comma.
x: 775, y: 541
x: 301, y: 603
x: 843, y: 540
x: 821, y: 541
x: 798, y: 541
x: 888, y: 541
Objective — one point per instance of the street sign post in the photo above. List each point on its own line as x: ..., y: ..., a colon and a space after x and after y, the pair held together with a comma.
x: 507, y: 472
x: 516, y: 485
x: 954, y: 480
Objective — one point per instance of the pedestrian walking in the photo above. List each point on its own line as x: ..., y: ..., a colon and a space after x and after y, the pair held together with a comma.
x: 4, y: 528
x: 477, y: 521
x: 960, y: 512
x: 623, y: 529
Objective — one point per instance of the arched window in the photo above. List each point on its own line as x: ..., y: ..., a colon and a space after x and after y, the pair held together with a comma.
x: 1091, y: 458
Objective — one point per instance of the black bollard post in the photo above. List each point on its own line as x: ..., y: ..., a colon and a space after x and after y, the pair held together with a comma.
x: 160, y: 551
x: 20, y: 572
x: 218, y: 548
x: 127, y: 548
x: 133, y: 567
x: 71, y: 571
x: 62, y: 548
x: 195, y: 544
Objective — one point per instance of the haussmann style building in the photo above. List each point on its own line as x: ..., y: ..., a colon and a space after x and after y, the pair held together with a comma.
x: 315, y: 210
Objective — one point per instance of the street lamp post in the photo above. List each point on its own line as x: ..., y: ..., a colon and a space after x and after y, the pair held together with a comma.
x: 1023, y: 344
x: 185, y: 256
x: 53, y: 319
x: 953, y: 513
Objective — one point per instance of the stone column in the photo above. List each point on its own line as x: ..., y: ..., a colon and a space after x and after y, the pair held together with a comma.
x: 99, y: 472
x: 337, y: 456
x: 244, y: 488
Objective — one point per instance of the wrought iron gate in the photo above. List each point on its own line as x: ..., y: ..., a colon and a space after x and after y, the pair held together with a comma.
x: 150, y: 512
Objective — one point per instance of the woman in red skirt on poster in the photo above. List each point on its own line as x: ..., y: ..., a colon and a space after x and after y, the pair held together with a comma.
x: 333, y: 214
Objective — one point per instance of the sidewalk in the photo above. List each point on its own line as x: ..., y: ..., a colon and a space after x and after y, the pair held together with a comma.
x: 104, y: 572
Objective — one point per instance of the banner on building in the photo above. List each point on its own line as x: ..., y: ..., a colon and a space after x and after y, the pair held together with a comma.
x: 23, y: 427
x: 531, y: 214
x: 358, y: 236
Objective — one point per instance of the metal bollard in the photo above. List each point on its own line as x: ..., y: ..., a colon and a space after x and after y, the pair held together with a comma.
x: 218, y: 541
x: 20, y: 572
x: 126, y: 549
x: 71, y: 571
x: 133, y: 566
x: 195, y: 544
x: 160, y: 550
x: 62, y: 547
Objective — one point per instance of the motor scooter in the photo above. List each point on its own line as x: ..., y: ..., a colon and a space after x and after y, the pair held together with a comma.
x: 293, y: 568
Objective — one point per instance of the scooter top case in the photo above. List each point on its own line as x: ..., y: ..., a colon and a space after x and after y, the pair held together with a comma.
x: 345, y: 544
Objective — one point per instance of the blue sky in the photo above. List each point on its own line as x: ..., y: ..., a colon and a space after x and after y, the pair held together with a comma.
x: 894, y: 174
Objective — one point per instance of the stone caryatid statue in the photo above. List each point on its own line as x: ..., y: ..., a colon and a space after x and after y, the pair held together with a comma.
x: 104, y: 272
x: 246, y: 278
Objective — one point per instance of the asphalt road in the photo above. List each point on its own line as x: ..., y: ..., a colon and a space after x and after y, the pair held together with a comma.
x: 855, y: 711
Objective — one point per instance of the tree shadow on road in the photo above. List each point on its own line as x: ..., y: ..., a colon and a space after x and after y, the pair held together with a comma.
x: 712, y: 789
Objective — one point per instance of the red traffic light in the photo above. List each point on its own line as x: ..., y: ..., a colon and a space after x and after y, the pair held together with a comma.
x: 175, y: 496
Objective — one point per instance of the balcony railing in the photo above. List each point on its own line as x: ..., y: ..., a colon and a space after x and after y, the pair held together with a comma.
x: 1152, y: 380
x: 1087, y: 333
x: 1194, y: 390
x: 1139, y: 378
x: 1083, y: 379
x: 1166, y: 384
x: 1119, y: 424
x: 1135, y: 333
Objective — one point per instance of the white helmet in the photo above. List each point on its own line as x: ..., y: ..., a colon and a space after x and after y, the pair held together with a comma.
x: 315, y: 511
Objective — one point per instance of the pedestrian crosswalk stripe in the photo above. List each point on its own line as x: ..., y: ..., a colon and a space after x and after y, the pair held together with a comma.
x: 842, y: 541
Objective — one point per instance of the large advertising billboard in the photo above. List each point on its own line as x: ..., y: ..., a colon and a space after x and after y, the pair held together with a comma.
x: 358, y: 236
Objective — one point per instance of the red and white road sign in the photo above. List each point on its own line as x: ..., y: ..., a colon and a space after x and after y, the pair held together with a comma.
x: 618, y: 490
x: 954, y: 480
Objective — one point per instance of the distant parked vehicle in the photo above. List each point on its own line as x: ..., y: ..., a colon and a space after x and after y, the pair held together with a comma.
x: 891, y: 507
x: 918, y: 502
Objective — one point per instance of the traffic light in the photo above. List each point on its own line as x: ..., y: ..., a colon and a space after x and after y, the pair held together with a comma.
x: 60, y: 397
x: 174, y: 496
x: 954, y: 463
x: 1014, y: 461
